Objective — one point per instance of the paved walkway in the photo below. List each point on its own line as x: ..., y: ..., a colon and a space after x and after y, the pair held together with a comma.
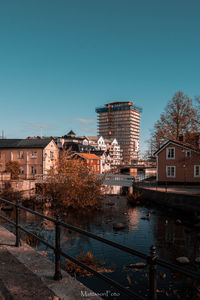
x: 178, y: 190
x: 25, y: 274
x: 18, y: 282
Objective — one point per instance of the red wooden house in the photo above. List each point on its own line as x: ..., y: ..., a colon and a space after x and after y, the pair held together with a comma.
x: 178, y: 162
x: 93, y: 161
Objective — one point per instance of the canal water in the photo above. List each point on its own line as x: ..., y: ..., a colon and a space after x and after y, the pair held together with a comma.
x: 140, y: 233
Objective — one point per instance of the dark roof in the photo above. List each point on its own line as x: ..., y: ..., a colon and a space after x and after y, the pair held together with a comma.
x: 24, y: 143
x: 78, y: 147
x: 97, y: 152
x: 71, y: 133
x: 179, y: 143
x: 74, y: 138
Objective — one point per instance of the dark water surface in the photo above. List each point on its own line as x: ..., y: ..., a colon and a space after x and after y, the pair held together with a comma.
x: 140, y: 233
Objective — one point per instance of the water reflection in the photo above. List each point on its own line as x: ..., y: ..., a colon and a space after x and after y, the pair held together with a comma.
x: 133, y: 217
x: 140, y: 233
x: 176, y: 240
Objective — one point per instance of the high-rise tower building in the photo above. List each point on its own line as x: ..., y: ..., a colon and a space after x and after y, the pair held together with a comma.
x: 121, y: 120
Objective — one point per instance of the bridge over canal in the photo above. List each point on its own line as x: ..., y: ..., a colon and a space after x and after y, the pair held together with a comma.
x: 108, y: 179
x: 117, y: 179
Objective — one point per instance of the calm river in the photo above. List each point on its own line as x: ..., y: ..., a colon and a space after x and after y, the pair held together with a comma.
x: 140, y: 233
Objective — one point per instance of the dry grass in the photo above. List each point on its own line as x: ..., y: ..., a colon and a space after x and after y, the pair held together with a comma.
x: 89, y: 260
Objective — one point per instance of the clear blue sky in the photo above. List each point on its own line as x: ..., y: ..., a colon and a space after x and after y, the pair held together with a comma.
x: 61, y: 59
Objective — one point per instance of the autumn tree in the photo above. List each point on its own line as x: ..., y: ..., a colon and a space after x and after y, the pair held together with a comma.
x: 197, y: 101
x: 72, y: 184
x: 180, y: 118
x: 13, y: 167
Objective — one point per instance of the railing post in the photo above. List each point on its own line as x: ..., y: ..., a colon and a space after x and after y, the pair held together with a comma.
x: 152, y: 274
x: 57, y: 275
x: 17, y: 243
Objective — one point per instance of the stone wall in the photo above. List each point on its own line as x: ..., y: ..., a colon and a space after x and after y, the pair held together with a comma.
x: 190, y: 203
x: 26, y: 186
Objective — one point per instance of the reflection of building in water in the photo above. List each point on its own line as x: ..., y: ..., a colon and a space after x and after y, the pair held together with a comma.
x: 134, y: 218
x: 46, y: 223
x: 175, y: 240
x: 112, y: 189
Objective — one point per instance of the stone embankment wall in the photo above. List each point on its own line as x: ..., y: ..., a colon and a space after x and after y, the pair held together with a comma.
x: 184, y: 202
x: 27, y: 187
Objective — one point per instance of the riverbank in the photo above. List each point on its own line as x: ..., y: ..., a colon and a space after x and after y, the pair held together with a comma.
x: 181, y: 198
x: 142, y: 228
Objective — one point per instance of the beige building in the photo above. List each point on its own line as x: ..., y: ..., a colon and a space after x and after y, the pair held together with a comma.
x: 35, y: 156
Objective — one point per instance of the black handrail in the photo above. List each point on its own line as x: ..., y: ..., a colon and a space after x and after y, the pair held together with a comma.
x: 151, y: 259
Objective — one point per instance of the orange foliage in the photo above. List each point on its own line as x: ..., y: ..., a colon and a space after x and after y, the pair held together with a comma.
x: 72, y: 184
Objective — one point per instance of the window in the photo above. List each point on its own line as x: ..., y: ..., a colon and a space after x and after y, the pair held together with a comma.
x: 33, y: 154
x: 170, y: 171
x: 197, y: 171
x: 33, y: 170
x: 170, y: 153
x: 51, y: 155
x: 20, y: 154
x: 21, y: 171
x: 188, y: 153
x: 0, y: 155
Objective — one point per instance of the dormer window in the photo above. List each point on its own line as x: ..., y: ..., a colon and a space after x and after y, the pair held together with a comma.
x: 170, y: 153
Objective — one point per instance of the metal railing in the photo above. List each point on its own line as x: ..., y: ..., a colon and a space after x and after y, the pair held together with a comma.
x: 152, y: 260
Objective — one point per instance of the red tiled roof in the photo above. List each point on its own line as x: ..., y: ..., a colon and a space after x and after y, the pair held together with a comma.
x: 88, y: 156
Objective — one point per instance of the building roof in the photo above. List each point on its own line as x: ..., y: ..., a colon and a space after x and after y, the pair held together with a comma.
x: 108, y: 141
x: 178, y: 143
x: 77, y: 147
x: 119, y: 103
x: 24, y: 143
x: 96, y: 138
x: 97, y: 152
x: 93, y: 138
x: 88, y: 155
x: 71, y: 133
x: 117, y: 106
